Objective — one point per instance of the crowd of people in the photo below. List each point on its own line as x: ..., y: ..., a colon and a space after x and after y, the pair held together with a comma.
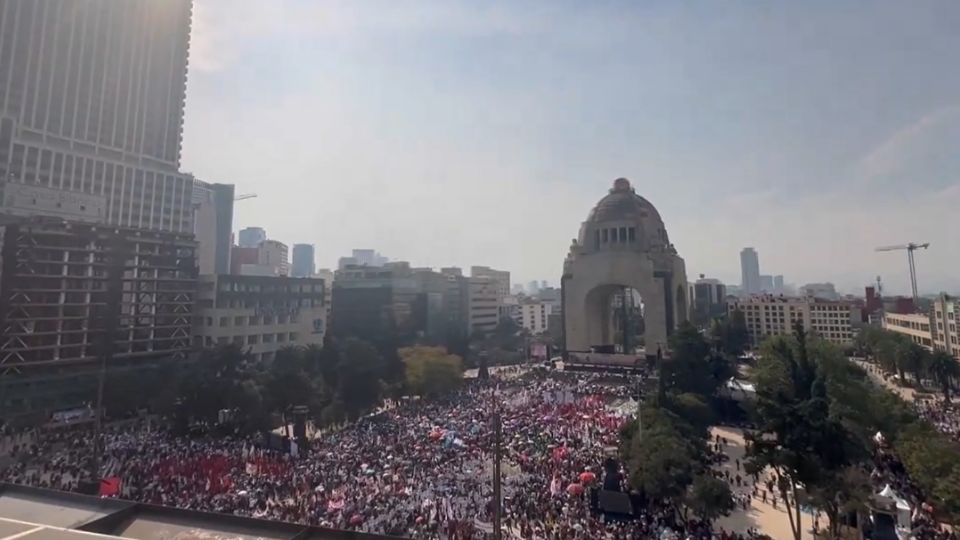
x: 942, y: 414
x: 888, y: 470
x: 421, y: 469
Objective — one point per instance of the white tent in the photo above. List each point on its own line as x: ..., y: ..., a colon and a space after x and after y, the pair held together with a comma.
x: 741, y: 386
x: 903, y: 507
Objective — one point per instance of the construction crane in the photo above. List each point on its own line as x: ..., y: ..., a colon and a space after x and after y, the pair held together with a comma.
x: 910, y: 248
x: 244, y: 197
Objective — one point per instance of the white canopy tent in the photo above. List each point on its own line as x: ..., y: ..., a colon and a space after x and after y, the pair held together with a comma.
x: 891, y: 497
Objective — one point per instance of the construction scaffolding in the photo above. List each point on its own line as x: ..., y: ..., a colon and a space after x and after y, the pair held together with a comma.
x: 75, y: 293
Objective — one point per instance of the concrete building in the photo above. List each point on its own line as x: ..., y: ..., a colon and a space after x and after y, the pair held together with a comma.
x: 779, y: 287
x: 91, y: 101
x: 770, y: 315
x: 327, y: 276
x: 241, y: 257
x: 272, y: 254
x: 502, y: 277
x: 394, y: 302
x: 456, y: 302
x: 766, y: 284
x: 935, y: 331
x: 213, y: 225
x: 63, y: 285
x: 552, y: 296
x: 24, y: 200
x: 749, y: 271
x: 916, y: 326
x: 826, y: 291
x: 362, y: 257
x: 709, y: 299
x: 260, y: 314
x: 483, y: 303
x: 251, y: 237
x: 304, y: 260
x: 946, y: 321
x: 622, y: 244
x: 533, y: 316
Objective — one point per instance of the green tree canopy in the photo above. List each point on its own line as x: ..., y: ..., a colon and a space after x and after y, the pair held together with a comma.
x: 431, y: 371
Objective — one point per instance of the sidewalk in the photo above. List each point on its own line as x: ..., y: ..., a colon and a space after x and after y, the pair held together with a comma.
x: 771, y: 521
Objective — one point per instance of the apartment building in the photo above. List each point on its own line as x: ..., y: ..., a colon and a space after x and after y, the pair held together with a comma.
x: 916, y: 326
x: 769, y: 315
x: 533, y: 316
x: 935, y: 331
x: 260, y: 314
x: 483, y: 304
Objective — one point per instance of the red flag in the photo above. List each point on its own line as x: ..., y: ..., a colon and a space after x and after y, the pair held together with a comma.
x: 109, y: 486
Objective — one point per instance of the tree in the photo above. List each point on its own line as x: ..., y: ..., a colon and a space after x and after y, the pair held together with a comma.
x: 839, y: 494
x: 693, y: 365
x: 797, y: 437
x: 661, y: 460
x: 709, y: 497
x: 731, y: 333
x: 289, y: 382
x: 213, y: 382
x: 359, y: 376
x: 944, y: 370
x: 430, y: 371
x: 912, y: 359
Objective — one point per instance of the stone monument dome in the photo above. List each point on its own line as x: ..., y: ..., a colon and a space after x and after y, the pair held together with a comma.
x: 622, y: 207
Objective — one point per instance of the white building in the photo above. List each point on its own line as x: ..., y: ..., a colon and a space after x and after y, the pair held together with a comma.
x: 946, y: 320
x: 533, y: 316
x: 935, y: 331
x: 916, y: 326
x: 483, y: 304
x: 260, y: 314
x: 502, y: 277
x: 273, y: 254
x: 768, y: 315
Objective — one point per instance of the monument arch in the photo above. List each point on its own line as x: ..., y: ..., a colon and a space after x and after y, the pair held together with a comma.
x: 622, y: 247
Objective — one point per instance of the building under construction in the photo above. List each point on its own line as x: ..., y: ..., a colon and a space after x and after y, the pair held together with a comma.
x: 75, y: 296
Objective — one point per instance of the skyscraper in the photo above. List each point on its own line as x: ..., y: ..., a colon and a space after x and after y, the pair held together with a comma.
x: 91, y: 101
x: 303, y: 260
x: 213, y: 226
x: 251, y: 237
x: 749, y: 271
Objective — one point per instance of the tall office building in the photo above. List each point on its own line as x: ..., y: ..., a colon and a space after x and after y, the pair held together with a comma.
x: 303, y: 260
x: 749, y: 271
x: 213, y: 226
x: 91, y: 102
x: 251, y: 237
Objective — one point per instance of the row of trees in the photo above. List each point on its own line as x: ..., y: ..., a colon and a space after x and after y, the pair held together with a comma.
x: 897, y: 353
x: 817, y: 414
x: 338, y: 382
x: 666, y: 450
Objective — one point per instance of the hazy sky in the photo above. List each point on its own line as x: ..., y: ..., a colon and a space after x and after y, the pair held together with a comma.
x: 482, y: 132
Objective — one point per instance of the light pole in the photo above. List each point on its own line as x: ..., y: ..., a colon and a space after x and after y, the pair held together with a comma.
x: 496, y: 474
x: 111, y: 318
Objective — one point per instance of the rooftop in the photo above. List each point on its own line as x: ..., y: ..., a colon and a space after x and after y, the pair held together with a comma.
x: 39, y: 514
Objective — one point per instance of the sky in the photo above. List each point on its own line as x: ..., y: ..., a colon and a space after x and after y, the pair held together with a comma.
x: 483, y: 132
